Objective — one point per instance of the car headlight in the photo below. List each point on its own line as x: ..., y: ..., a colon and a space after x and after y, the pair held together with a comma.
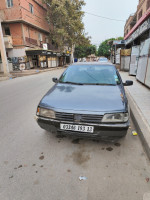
x: 116, y: 117
x: 46, y: 113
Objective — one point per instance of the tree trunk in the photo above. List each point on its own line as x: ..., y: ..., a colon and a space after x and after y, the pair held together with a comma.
x: 72, y: 54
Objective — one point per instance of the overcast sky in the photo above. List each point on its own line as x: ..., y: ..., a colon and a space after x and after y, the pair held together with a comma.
x: 100, y: 29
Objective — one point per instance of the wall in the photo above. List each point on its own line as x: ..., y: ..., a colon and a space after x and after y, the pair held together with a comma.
x: 22, y: 36
x: 143, y: 60
x: 20, y: 52
x: 12, y: 13
x: 21, y: 11
x: 22, y: 33
x: 16, y: 33
x: 127, y: 27
x: 38, y: 16
x: 141, y: 8
x: 9, y: 65
x: 31, y: 36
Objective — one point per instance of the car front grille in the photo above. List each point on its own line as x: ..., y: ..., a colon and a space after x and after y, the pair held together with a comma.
x: 64, y: 116
x: 78, y: 117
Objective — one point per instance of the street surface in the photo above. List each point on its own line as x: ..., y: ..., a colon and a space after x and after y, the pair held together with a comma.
x: 36, y: 165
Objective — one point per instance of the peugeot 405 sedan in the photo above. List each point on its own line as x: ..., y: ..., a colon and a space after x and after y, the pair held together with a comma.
x: 88, y: 100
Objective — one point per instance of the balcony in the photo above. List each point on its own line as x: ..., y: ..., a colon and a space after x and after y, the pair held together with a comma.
x: 30, y: 41
x: 133, y: 22
x: 8, y: 42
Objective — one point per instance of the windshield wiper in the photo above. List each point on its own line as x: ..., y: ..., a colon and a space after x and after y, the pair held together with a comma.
x: 105, y: 84
x: 101, y: 84
x: 68, y: 82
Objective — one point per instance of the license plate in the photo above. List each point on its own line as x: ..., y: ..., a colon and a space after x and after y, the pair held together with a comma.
x: 78, y: 128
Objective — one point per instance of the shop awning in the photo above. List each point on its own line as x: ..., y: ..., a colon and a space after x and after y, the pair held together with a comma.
x: 41, y: 52
x: 36, y: 52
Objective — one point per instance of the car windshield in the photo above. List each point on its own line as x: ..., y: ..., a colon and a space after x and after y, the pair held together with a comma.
x: 90, y: 74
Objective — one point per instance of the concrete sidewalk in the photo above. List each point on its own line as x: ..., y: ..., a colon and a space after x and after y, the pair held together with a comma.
x: 16, y: 74
x: 139, y: 100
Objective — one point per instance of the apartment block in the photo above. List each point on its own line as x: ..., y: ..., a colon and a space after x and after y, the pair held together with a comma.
x: 142, y: 9
x: 26, y: 34
x: 137, y: 42
x: 24, y: 25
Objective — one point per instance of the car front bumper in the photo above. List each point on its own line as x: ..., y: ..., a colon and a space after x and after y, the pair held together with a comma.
x: 101, y: 131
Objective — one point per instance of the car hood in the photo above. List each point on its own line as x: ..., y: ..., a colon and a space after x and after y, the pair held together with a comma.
x: 94, y: 98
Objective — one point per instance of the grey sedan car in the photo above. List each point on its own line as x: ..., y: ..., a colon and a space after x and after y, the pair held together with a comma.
x: 88, y: 100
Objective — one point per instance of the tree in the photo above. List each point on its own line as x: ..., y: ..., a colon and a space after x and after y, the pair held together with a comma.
x: 91, y: 50
x: 105, y: 47
x: 84, y: 51
x: 120, y: 38
x: 79, y: 52
x: 65, y: 23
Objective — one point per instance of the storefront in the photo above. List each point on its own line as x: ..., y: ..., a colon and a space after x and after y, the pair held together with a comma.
x: 46, y: 58
x: 36, y: 59
x: 138, y: 40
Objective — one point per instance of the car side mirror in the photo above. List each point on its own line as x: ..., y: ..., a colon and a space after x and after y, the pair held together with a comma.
x: 128, y: 83
x: 55, y: 80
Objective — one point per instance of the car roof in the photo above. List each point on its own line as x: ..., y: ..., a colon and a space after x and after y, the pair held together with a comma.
x: 94, y: 63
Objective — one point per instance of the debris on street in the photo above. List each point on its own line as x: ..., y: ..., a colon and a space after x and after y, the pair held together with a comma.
x: 82, y: 178
x: 134, y: 133
x: 147, y: 180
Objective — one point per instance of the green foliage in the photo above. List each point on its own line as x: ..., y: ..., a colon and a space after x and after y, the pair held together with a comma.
x: 65, y: 22
x: 120, y: 38
x: 105, y: 47
x: 84, y: 51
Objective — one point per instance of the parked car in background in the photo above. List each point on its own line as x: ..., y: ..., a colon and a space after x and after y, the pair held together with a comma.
x: 83, y: 59
x: 103, y: 60
x: 88, y: 100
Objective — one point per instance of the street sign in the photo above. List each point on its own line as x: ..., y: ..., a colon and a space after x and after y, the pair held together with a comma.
x: 115, y: 42
x: 45, y: 47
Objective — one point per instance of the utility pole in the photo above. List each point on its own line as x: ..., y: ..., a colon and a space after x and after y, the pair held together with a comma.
x: 3, y: 53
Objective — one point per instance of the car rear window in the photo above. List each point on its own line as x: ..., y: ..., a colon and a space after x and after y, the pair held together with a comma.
x: 103, y: 59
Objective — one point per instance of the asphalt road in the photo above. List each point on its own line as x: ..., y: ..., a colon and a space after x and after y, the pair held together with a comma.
x: 36, y: 165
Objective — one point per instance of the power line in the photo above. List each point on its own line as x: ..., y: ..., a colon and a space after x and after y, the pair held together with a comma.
x: 104, y: 17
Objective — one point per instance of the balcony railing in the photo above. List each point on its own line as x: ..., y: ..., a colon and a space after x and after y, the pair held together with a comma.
x: 31, y: 41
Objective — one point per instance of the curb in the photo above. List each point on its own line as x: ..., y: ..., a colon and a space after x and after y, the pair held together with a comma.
x: 141, y: 125
x: 29, y: 73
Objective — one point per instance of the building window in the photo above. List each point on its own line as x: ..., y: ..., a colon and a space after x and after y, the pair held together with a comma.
x: 31, y: 8
x: 148, y: 4
x: 40, y: 37
x: 7, y: 31
x: 9, y: 3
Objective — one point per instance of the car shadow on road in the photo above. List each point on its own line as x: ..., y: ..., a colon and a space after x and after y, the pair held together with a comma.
x: 84, y: 141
